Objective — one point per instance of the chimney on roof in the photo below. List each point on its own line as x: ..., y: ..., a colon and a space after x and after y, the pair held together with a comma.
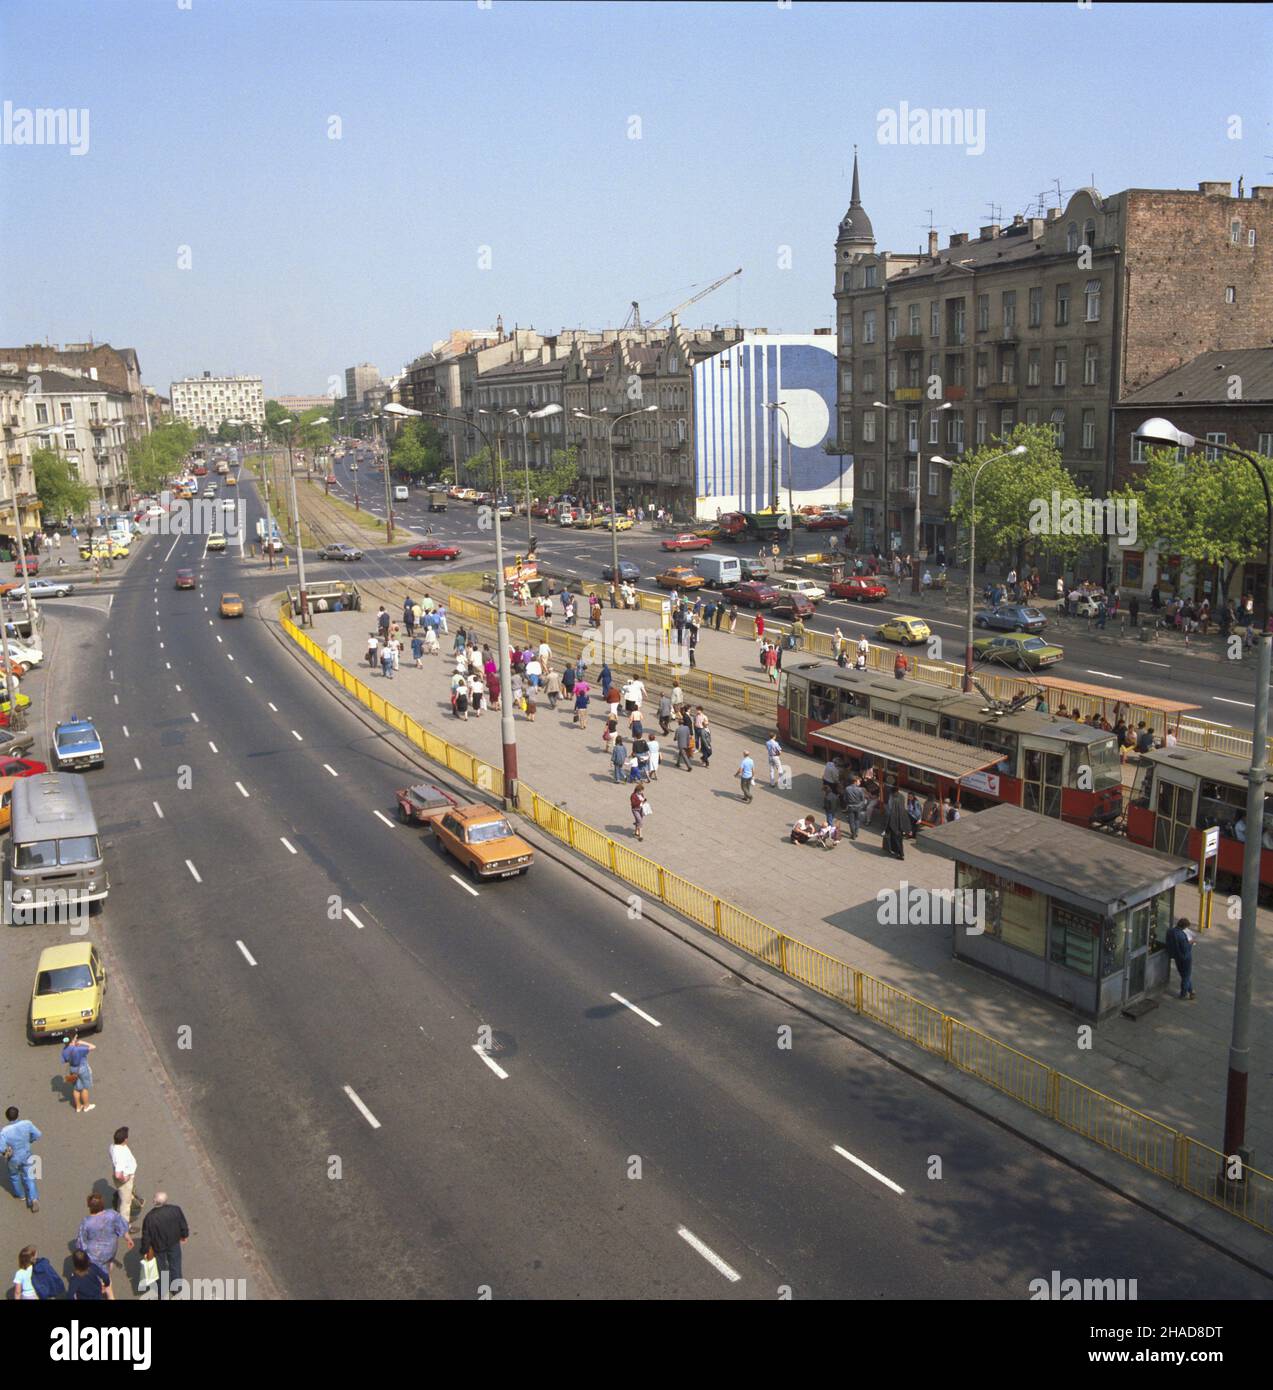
x: 932, y: 242
x: 1036, y: 228
x: 989, y: 233
x: 1263, y: 193
x: 1052, y: 214
x: 1018, y: 220
x: 958, y: 239
x: 1220, y: 188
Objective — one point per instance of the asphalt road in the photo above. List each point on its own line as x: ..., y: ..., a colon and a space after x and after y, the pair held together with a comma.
x: 317, y: 980
x: 1221, y: 689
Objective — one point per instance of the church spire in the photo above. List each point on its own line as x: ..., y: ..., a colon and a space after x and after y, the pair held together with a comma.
x: 855, y: 227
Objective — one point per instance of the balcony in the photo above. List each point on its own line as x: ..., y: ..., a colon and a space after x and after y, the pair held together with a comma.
x: 1002, y: 391
x: 956, y: 393
x: 1009, y: 334
x: 909, y: 342
x: 908, y: 393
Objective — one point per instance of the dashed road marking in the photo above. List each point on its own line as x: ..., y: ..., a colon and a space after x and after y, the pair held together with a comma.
x: 331, y: 769
x: 194, y: 716
x: 242, y: 789
x: 272, y: 705
x: 381, y: 816
x: 490, y: 1062
x: 708, y: 1254
x: 137, y: 763
x: 866, y: 1168
x: 194, y: 873
x: 125, y: 729
x: 353, y: 919
x: 455, y: 878
x: 287, y: 845
x: 297, y: 737
x: 627, y: 1004
x: 213, y: 746
x: 249, y: 680
x: 159, y: 810
x: 247, y: 955
x: 362, y: 1109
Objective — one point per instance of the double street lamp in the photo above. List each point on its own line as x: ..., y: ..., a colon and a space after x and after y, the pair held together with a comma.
x: 791, y: 519
x: 296, y: 518
x: 403, y: 412
x: 614, y: 516
x: 972, y: 543
x: 1163, y: 432
x: 551, y: 409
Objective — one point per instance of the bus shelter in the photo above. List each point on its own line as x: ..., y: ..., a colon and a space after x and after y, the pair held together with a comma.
x: 920, y: 762
x: 1075, y: 914
x: 1159, y: 713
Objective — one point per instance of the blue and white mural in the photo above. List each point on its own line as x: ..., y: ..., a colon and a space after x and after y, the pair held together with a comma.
x: 740, y: 448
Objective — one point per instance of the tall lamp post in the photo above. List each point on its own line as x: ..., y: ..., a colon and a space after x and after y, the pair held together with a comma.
x: 296, y: 519
x: 791, y: 518
x: 403, y: 412
x: 972, y: 545
x: 1160, y: 431
x: 614, y: 530
x: 551, y: 409
x: 919, y: 478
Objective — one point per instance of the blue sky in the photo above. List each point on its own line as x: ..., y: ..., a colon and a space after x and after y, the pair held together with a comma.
x: 508, y: 127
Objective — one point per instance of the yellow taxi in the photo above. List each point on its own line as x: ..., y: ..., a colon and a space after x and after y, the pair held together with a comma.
x: 904, y: 629
x: 680, y: 577
x: 69, y: 984
x: 104, y: 548
x: 231, y: 480
x: 482, y: 840
x: 231, y: 606
x: 6, y: 801
x: 620, y: 523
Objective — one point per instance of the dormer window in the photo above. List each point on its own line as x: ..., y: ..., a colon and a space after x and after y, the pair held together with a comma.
x: 1072, y: 238
x: 868, y: 277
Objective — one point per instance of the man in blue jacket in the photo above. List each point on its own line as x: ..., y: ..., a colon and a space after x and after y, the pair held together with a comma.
x: 16, y: 1139
x: 1180, y: 949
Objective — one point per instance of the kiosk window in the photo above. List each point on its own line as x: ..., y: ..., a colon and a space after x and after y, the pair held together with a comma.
x: 1072, y: 939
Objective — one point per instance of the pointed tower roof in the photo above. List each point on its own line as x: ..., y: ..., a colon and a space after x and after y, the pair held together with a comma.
x: 855, y: 227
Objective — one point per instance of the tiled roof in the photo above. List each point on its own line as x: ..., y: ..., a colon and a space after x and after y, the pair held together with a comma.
x: 1206, y: 379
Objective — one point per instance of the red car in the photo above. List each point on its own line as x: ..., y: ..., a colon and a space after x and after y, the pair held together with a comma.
x: 751, y: 594
x: 541, y: 509
x: 434, y: 551
x: 686, y: 542
x: 330, y: 480
x: 21, y: 767
x: 859, y: 588
x: 199, y: 471
x: 186, y: 580
x: 827, y: 521
x: 31, y: 563
x: 792, y: 606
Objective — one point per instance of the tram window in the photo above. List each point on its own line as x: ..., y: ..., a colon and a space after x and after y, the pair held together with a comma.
x: 1220, y: 805
x: 823, y: 705
x: 961, y: 730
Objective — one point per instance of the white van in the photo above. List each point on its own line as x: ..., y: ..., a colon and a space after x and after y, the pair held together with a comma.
x: 718, y: 570
x: 401, y: 493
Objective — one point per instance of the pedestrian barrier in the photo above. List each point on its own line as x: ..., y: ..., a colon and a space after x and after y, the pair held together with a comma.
x: 1139, y: 1138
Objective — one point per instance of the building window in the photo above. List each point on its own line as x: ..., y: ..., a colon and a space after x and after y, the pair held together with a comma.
x: 1007, y: 420
x: 957, y: 322
x: 1230, y: 294
x: 912, y: 430
x: 914, y: 365
x: 868, y: 326
x: 1036, y: 307
x: 892, y: 324
x: 868, y: 427
x: 1250, y: 236
x: 868, y: 376
x: 1032, y: 367
x: 1089, y: 429
x: 980, y: 427
x: 1062, y: 305
x: 846, y: 434
x: 983, y: 313
x: 1032, y: 416
x: 1007, y: 366
x: 934, y: 319
x: 955, y: 369
x: 934, y: 479
x: 912, y: 326
x: 1058, y: 427
x: 846, y: 330
x: 868, y: 478
x: 41, y: 414
x: 1217, y: 438
x: 932, y: 364
x: 934, y: 427
x: 1009, y: 311
x: 1091, y: 365
x: 1235, y: 232
x: 892, y: 427
x: 1071, y: 238
x: 67, y: 414
x: 68, y: 441
x: 868, y: 277
x: 1089, y: 234
x: 1092, y: 301
x: 1060, y: 366
x: 892, y: 374
x: 983, y: 370
x: 955, y: 431
x: 1264, y: 445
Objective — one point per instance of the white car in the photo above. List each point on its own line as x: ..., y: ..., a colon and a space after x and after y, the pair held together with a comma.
x: 216, y: 541
x: 43, y: 588
x: 28, y: 656
x: 806, y: 588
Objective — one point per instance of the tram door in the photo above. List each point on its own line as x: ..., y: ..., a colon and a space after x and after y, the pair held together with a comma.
x: 797, y: 711
x: 1041, y: 775
x: 1173, y: 815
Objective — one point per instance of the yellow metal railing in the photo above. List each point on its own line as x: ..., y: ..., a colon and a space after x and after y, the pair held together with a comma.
x: 1195, y: 1167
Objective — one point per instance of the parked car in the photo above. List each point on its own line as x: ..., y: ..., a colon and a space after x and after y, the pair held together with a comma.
x: 423, y: 803
x: 827, y: 521
x: 43, y: 588
x: 331, y: 480
x: 905, y: 629
x: 24, y: 654
x: 754, y: 569
x: 186, y: 580
x: 482, y: 840
x: 231, y: 606
x: 29, y: 566
x: 69, y: 988
x: 1021, y: 649
x: 620, y: 523
x: 76, y: 744
x: 629, y: 571
x: 751, y: 594
x: 20, y: 767
x: 679, y: 577
x: 13, y: 741
x: 434, y: 550
x: 1011, y: 617
x: 340, y: 550
x: 685, y: 541
x: 806, y: 588
x: 858, y: 588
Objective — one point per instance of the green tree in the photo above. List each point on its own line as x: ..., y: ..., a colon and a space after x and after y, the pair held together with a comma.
x: 416, y: 451
x: 1010, y: 495
x: 60, y: 492
x: 558, y: 475
x: 1211, y: 511
x: 312, y: 436
x: 156, y: 457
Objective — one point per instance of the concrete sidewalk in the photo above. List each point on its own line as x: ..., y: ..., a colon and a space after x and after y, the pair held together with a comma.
x: 1171, y: 1063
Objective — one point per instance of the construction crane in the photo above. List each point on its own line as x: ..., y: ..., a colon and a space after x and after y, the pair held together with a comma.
x: 634, y: 317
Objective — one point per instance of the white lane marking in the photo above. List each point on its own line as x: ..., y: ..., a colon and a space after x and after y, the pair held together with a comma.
x: 159, y: 810
x: 490, y: 1062
x: 125, y: 729
x: 247, y: 955
x: 158, y: 628
x: 353, y: 919
x: 213, y: 746
x: 167, y: 665
x: 194, y: 716
x: 272, y: 705
x: 249, y: 680
x: 230, y: 655
x: 331, y: 769
x: 708, y: 1254
x: 1246, y: 704
x: 161, y: 646
x: 242, y: 789
x: 178, y: 689
x: 1108, y: 675
x: 171, y: 548
x: 866, y: 1168
x: 205, y: 610
x: 380, y: 816
x: 456, y: 879
x: 627, y: 1004
x: 110, y: 651
x: 219, y: 638
x: 112, y: 675
x: 116, y: 699
x: 194, y: 873
x: 362, y: 1109
x: 287, y: 845
x: 137, y: 762
x: 297, y: 737
x: 1165, y: 665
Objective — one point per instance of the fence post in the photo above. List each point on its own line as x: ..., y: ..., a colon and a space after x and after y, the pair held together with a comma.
x: 948, y: 1037
x: 662, y: 886
x: 782, y: 951
x: 610, y: 847
x: 716, y: 915
x: 1054, y: 1093
x: 857, y: 991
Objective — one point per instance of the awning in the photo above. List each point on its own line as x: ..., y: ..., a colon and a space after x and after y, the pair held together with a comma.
x: 924, y: 752
x: 1105, y: 692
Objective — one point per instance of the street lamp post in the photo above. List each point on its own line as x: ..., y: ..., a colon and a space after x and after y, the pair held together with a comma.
x: 552, y: 408
x: 1160, y: 431
x: 919, y: 475
x: 791, y: 518
x: 296, y: 521
x: 972, y: 546
x: 614, y: 530
x: 404, y: 412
